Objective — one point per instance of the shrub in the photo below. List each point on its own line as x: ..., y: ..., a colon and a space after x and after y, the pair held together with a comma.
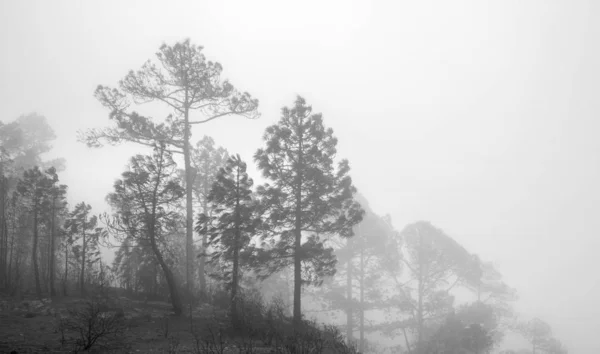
x: 261, y: 326
x: 93, y: 325
x: 211, y: 340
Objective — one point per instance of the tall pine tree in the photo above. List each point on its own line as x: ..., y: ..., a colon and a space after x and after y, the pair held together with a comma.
x: 230, y: 225
x: 35, y: 187
x: 185, y: 82
x: 207, y: 160
x: 307, y: 196
x: 83, y: 227
x: 144, y: 201
x: 57, y: 207
x: 435, y: 264
x: 357, y: 286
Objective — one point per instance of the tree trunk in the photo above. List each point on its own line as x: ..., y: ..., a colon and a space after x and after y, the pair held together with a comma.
x: 52, y: 249
x: 66, y: 270
x: 297, y: 278
x: 10, y: 257
x: 38, y: 289
x: 3, y: 234
x: 289, y: 293
x: 349, y: 312
x: 45, y: 259
x: 406, y: 341
x: 5, y: 259
x: 202, y: 260
x: 156, y: 281
x: 175, y: 298
x: 82, y: 276
x: 362, y: 301
x: 420, y: 299
x: 151, y: 224
x: 234, y: 279
x: 18, y: 272
x: 298, y: 242
x: 189, y: 213
x: 3, y: 245
x: 236, y: 255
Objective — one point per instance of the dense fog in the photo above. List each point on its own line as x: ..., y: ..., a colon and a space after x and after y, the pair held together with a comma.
x: 387, y: 177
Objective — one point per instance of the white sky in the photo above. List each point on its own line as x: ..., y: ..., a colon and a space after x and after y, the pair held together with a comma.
x: 479, y: 116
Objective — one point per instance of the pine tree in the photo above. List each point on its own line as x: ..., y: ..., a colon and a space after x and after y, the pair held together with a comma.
x: 230, y: 225
x: 22, y: 142
x: 143, y: 201
x: 308, y: 194
x: 35, y: 187
x: 184, y: 81
x: 83, y: 227
x: 126, y: 263
x: 435, y: 264
x: 207, y: 160
x: 357, y: 285
x: 57, y: 206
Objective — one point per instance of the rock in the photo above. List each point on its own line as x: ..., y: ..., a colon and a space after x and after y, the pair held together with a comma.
x: 29, y: 315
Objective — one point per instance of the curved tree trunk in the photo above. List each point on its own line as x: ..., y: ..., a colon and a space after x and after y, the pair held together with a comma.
x: 175, y: 298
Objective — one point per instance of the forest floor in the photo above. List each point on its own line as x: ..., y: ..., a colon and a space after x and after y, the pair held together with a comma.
x: 33, y: 326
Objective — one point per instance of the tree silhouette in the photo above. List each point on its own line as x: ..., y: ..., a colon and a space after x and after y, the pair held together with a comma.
x: 435, y: 264
x: 357, y: 285
x: 143, y: 201
x: 35, y: 187
x: 57, y: 206
x: 22, y: 142
x: 207, y: 160
x: 81, y: 226
x: 184, y: 81
x: 308, y: 194
x: 231, y: 224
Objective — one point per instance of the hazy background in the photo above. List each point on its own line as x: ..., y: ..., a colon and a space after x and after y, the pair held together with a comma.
x: 479, y: 116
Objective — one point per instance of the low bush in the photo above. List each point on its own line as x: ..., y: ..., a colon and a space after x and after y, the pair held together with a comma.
x: 92, y: 325
x: 263, y: 327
